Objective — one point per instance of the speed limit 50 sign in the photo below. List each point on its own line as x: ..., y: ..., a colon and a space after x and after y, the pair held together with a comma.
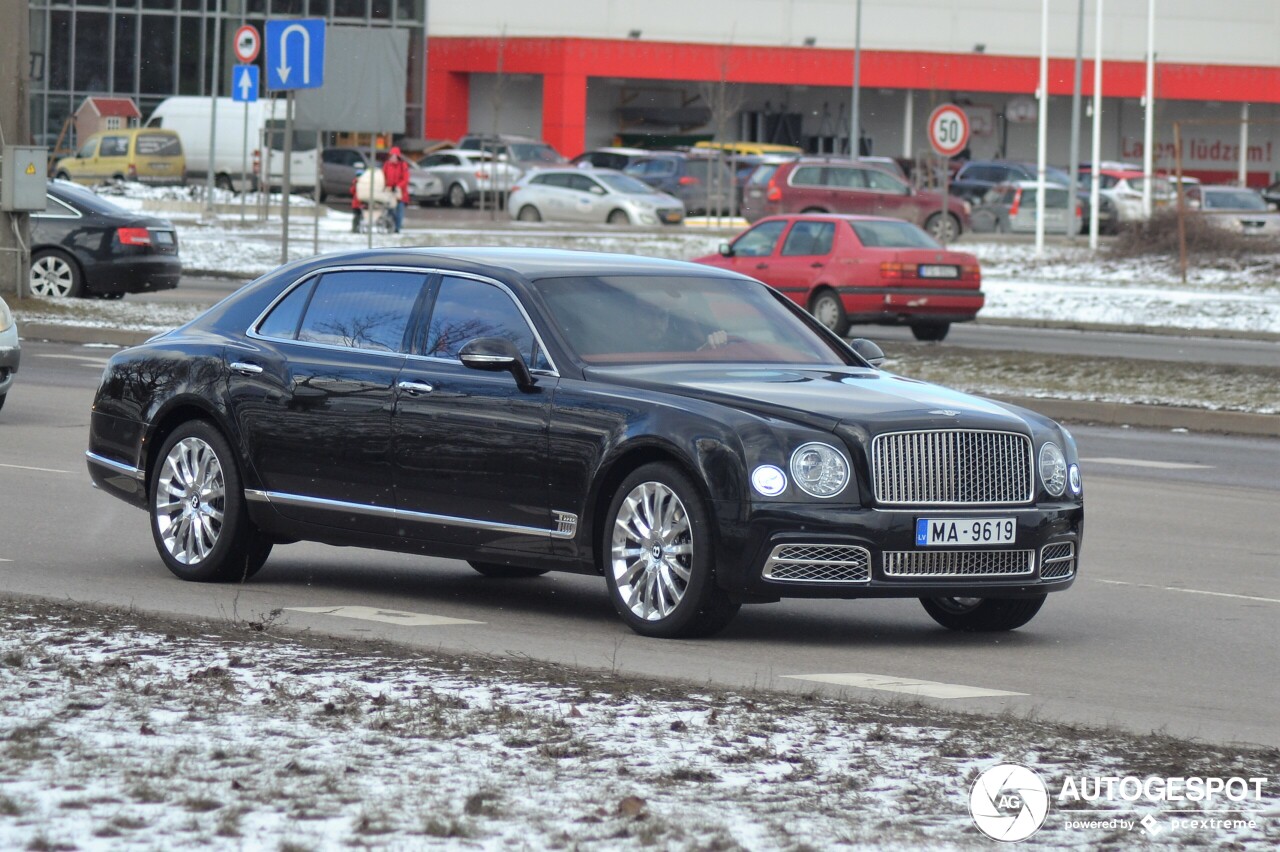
x: 948, y: 130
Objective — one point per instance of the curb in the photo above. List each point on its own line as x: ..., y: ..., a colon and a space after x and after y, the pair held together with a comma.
x: 1068, y: 410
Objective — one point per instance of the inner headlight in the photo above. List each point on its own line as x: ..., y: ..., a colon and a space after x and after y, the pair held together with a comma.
x: 1053, y: 469
x: 819, y: 470
x: 6, y: 316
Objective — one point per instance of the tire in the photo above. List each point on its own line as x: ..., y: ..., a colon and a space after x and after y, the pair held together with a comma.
x: 657, y: 510
x: 529, y: 213
x: 62, y: 176
x: 224, y: 183
x: 111, y: 297
x: 196, y: 477
x: 982, y: 615
x: 505, y: 572
x: 55, y: 275
x: 618, y: 217
x: 944, y: 229
x: 457, y: 195
x: 930, y: 331
x: 827, y: 309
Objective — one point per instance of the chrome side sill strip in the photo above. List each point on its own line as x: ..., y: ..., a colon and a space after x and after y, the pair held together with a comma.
x: 277, y: 498
x: 116, y: 466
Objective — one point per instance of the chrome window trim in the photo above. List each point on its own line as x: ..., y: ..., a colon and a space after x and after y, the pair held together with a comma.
x: 252, y: 331
x: 118, y: 467
x: 70, y: 212
x: 282, y: 499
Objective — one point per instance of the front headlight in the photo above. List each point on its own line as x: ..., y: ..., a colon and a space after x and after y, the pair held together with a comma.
x: 6, y: 317
x: 820, y: 470
x: 1053, y: 469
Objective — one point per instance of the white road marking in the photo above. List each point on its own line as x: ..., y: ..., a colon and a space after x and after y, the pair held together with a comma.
x: 386, y: 616
x: 1161, y: 465
x: 39, y: 469
x: 911, y: 686
x: 1190, y: 591
x: 5, y: 560
x: 89, y: 360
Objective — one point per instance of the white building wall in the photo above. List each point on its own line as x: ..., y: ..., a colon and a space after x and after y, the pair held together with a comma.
x: 1228, y: 32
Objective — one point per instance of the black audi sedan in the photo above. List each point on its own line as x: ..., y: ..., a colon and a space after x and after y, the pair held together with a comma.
x: 84, y: 245
x: 686, y: 432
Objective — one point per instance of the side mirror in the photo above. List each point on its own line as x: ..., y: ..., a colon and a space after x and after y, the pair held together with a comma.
x: 868, y: 351
x: 726, y: 250
x: 497, y: 355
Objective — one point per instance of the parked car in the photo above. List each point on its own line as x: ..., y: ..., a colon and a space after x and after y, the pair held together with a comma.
x: 522, y: 152
x: 1271, y: 195
x: 338, y: 168
x: 859, y: 269
x: 828, y: 185
x: 1234, y: 208
x: 685, y: 432
x: 977, y: 177
x: 591, y: 195
x: 144, y: 154
x: 83, y: 245
x: 609, y: 158
x: 1123, y: 188
x: 465, y: 174
x: 1012, y: 207
x: 703, y: 184
x: 10, y: 350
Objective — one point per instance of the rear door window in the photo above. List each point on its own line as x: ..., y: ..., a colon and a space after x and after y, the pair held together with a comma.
x: 807, y: 176
x: 362, y: 309
x: 810, y: 238
x: 158, y: 145
x: 114, y: 146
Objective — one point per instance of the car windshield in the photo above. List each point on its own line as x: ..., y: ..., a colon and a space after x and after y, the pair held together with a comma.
x: 641, y: 319
x: 526, y: 152
x: 1159, y: 186
x: 1233, y: 199
x: 623, y: 183
x: 893, y: 235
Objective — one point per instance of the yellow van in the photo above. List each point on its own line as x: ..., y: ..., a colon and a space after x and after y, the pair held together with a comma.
x: 146, y: 154
x: 757, y: 148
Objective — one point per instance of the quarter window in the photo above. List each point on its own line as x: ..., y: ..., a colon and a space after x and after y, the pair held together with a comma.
x: 283, y: 320
x: 883, y: 181
x: 466, y: 309
x: 361, y: 309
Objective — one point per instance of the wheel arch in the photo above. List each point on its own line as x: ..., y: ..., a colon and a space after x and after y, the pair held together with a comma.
x: 69, y: 254
x: 174, y: 413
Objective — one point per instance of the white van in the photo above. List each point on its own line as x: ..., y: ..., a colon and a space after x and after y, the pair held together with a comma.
x: 189, y: 115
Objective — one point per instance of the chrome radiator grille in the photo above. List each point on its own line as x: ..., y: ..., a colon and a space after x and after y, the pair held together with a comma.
x: 951, y: 467
x: 957, y: 563
x: 1057, y: 561
x: 818, y: 563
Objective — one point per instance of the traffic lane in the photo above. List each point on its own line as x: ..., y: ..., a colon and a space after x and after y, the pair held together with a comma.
x: 1138, y: 655
x: 1162, y: 455
x: 1093, y: 344
x: 65, y: 365
x: 193, y: 289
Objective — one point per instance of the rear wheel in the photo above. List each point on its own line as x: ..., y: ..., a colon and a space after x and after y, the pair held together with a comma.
x: 457, y: 195
x: 505, y: 572
x: 930, y: 331
x: 54, y: 275
x: 942, y: 228
x: 659, y: 556
x: 619, y: 217
x: 827, y: 309
x: 224, y: 183
x: 529, y: 213
x: 982, y: 615
x: 198, y: 517
x: 3, y: 396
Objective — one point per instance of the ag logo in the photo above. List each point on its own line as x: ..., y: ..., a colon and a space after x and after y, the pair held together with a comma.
x: 1009, y: 802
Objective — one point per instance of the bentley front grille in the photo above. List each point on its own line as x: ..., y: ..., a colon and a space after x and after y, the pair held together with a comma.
x: 818, y: 563
x: 957, y: 563
x: 954, y: 467
x: 1057, y: 561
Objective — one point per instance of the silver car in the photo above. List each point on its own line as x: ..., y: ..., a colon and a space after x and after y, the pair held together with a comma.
x: 10, y: 352
x: 1011, y: 208
x: 1235, y: 208
x: 591, y: 195
x: 464, y: 174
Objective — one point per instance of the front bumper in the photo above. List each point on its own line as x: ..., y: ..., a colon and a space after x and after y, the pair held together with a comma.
x: 135, y: 274
x: 10, y: 357
x: 879, y: 558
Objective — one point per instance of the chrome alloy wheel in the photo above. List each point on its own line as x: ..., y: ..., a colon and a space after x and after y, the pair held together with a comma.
x: 190, y: 501
x: 52, y: 277
x: 652, y: 551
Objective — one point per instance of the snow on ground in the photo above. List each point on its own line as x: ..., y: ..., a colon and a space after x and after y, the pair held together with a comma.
x: 117, y: 735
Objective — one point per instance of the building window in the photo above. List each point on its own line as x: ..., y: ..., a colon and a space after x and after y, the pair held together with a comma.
x: 91, y: 53
x: 112, y: 122
x: 157, y: 54
x: 126, y: 74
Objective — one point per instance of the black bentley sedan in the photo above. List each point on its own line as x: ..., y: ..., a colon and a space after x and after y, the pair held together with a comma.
x: 84, y: 245
x: 686, y: 432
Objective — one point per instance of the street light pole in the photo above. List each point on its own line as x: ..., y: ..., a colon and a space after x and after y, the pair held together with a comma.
x: 855, y: 131
x: 1148, y: 134
x: 1074, y: 165
x: 1095, y: 185
x: 1042, y: 135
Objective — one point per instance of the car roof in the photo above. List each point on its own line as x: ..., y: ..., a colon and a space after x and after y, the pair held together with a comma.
x: 635, y: 152
x: 1123, y: 174
x: 843, y: 217
x: 536, y: 262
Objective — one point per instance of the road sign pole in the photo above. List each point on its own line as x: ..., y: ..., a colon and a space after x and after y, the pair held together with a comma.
x: 211, y: 179
x: 946, y: 190
x: 286, y: 184
x: 244, y: 164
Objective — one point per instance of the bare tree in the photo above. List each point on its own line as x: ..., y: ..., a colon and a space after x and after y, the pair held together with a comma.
x: 724, y: 100
x: 497, y: 97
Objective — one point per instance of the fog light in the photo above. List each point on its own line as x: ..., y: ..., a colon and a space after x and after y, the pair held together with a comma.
x: 769, y: 480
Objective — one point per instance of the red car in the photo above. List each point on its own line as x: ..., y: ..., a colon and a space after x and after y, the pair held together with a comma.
x: 859, y: 269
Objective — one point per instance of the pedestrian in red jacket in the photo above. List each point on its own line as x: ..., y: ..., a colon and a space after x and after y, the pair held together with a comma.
x: 395, y: 171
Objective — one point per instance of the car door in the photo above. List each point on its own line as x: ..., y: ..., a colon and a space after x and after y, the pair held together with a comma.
x: 470, y: 447
x: 753, y: 252
x: 804, y: 258
x: 892, y: 197
x: 587, y: 198
x: 313, y: 390
x: 848, y: 191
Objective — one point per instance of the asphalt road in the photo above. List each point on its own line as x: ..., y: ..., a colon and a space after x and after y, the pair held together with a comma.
x: 1171, y: 626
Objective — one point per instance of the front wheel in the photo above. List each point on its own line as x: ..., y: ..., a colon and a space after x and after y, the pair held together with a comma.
x: 198, y: 517
x: 659, y: 557
x: 827, y: 309
x: 619, y: 217
x: 982, y: 615
x: 931, y: 331
x: 942, y: 228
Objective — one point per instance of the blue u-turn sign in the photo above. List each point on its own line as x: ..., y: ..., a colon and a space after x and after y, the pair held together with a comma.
x: 295, y: 54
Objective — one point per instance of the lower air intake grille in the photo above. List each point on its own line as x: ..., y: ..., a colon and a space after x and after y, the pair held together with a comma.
x: 818, y: 563
x: 957, y: 563
x: 1058, y: 561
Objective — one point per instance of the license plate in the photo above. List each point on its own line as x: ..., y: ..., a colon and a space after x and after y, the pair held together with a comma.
x: 928, y: 270
x: 163, y: 238
x: 672, y: 217
x: 160, y: 167
x: 964, y: 532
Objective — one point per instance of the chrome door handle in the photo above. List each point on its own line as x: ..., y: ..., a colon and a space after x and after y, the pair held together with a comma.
x: 415, y: 388
x: 245, y: 368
